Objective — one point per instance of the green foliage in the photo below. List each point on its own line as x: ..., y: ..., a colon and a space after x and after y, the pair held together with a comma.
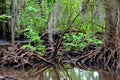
x: 85, y: 25
x: 34, y: 19
x: 35, y: 40
x: 35, y: 16
x: 78, y: 42
x: 4, y: 16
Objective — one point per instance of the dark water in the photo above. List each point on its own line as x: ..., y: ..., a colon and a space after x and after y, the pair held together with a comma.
x: 52, y: 73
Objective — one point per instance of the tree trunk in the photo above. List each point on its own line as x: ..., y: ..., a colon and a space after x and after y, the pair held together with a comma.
x: 110, y: 37
x: 53, y: 23
x: 100, y: 13
x: 108, y: 76
x: 111, y: 21
x: 13, y: 20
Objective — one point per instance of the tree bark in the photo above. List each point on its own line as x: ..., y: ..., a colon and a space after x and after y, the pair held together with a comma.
x: 111, y: 19
x: 53, y: 23
x: 13, y: 20
x: 111, y: 38
x: 100, y: 9
x: 108, y: 76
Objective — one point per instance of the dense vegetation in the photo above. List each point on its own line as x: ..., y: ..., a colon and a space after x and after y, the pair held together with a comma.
x: 64, y: 27
x: 36, y: 17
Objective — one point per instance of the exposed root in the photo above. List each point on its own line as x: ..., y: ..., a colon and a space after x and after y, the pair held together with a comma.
x: 101, y: 58
x: 16, y: 57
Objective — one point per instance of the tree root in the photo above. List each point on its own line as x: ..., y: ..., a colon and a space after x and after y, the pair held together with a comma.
x: 102, y: 58
x: 17, y: 57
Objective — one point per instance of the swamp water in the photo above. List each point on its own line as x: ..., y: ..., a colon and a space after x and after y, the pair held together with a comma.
x: 52, y: 73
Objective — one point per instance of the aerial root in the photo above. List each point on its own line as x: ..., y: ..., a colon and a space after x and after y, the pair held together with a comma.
x: 101, y: 58
x: 95, y: 59
x: 20, y: 58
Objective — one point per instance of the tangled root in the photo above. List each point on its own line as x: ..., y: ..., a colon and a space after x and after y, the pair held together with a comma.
x: 17, y: 57
x: 102, y: 58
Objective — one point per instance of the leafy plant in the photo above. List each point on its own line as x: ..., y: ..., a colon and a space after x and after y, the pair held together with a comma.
x: 78, y: 42
x: 34, y: 16
x: 4, y: 17
x: 35, y: 41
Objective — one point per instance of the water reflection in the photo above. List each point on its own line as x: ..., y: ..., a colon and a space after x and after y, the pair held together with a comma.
x: 53, y: 73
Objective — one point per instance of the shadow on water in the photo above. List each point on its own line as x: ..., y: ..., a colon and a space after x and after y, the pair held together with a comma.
x: 49, y: 73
